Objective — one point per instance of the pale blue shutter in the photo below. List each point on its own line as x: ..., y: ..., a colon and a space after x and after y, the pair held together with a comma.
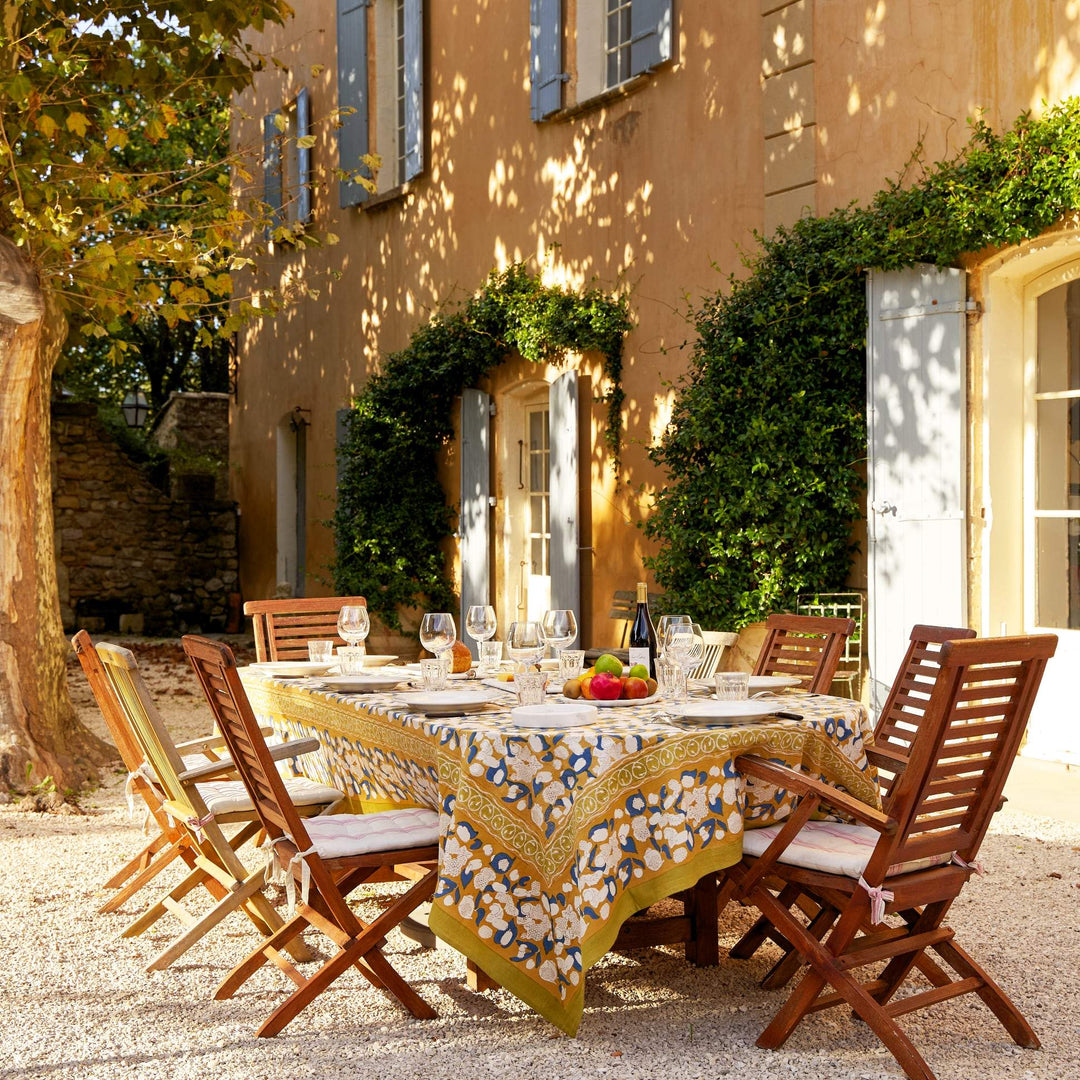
x: 474, y: 522
x: 650, y: 34
x: 303, y: 156
x: 545, y: 57
x: 916, y: 439
x: 563, y: 482
x: 352, y: 58
x: 272, y: 193
x: 414, y: 88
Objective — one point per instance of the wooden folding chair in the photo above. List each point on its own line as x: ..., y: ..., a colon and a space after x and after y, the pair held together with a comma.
x: 894, y: 736
x: 198, y: 806
x: 283, y: 627
x: 329, y: 856
x: 910, y: 860
x: 805, y: 647
x: 715, y: 643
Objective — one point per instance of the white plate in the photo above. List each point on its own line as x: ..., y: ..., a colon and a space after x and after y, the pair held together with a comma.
x: 358, y: 684
x: 378, y: 659
x: 725, y: 712
x: 511, y: 688
x: 412, y: 671
x: 290, y: 669
x: 757, y: 683
x: 554, y: 715
x: 620, y: 703
x: 444, y: 702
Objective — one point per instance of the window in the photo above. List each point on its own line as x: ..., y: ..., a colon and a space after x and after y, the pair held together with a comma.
x: 539, y: 468
x: 617, y: 40
x: 380, y: 80
x: 287, y: 162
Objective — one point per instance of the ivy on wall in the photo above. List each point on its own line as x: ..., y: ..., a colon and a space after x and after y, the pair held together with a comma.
x: 764, y: 454
x: 392, y: 515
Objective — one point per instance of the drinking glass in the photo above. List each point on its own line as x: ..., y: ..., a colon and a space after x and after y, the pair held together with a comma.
x: 558, y: 628
x: 524, y: 643
x: 732, y: 685
x: 571, y: 664
x: 438, y: 632
x: 530, y: 687
x: 490, y: 655
x: 350, y: 660
x: 320, y: 651
x: 671, y: 679
x: 480, y: 622
x: 434, y: 672
x: 353, y: 623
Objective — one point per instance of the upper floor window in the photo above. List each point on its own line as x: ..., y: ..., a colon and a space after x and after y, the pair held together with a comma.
x: 287, y: 162
x: 380, y: 82
x: 617, y: 40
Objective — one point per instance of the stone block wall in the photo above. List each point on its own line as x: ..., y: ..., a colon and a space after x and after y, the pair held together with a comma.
x: 124, y: 549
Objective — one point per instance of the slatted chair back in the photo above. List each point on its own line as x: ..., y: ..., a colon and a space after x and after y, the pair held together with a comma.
x: 283, y: 627
x: 968, y: 739
x: 905, y: 707
x: 215, y: 668
x: 805, y: 647
x: 715, y: 644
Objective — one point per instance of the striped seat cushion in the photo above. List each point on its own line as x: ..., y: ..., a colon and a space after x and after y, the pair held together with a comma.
x: 341, y: 835
x: 230, y: 796
x: 833, y: 848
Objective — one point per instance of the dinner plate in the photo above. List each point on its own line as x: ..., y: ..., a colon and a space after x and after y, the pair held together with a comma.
x: 379, y: 659
x: 511, y: 688
x: 757, y: 683
x: 620, y: 703
x: 358, y: 684
x: 554, y: 715
x: 290, y: 669
x: 413, y: 671
x: 444, y: 702
x: 724, y: 712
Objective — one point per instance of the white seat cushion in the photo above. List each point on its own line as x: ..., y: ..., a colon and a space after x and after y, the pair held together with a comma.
x: 340, y: 835
x: 230, y: 796
x: 833, y: 848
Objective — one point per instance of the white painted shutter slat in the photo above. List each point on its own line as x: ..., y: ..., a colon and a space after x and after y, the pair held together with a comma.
x: 474, y: 522
x: 414, y: 88
x: 563, y: 478
x: 917, y: 437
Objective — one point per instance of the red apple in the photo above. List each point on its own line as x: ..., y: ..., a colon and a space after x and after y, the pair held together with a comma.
x: 635, y: 688
x: 606, y: 687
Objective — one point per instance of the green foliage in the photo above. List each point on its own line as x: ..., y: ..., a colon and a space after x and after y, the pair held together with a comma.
x: 764, y: 453
x: 392, y: 517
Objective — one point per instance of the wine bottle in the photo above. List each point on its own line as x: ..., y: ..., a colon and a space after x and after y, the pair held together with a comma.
x: 642, y: 633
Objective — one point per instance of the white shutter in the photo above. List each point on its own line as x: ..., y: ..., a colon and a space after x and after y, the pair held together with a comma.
x: 414, y: 88
x: 563, y: 424
x: 475, y: 517
x: 917, y: 557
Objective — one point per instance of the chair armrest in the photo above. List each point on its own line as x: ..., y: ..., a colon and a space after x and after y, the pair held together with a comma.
x: 226, y: 765
x: 886, y: 758
x: 212, y: 742
x: 802, y: 784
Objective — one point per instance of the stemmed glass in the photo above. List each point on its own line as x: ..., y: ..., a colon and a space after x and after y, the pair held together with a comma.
x: 353, y: 624
x: 681, y: 644
x: 438, y: 633
x: 525, y: 643
x: 480, y: 622
x: 559, y: 628
x: 662, y: 625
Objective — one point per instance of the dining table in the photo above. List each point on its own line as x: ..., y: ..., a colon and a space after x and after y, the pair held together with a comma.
x: 551, y: 838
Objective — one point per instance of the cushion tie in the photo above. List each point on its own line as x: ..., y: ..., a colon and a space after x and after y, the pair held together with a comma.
x: 878, y: 897
x: 275, y: 869
x: 975, y: 864
x: 197, y: 824
x: 129, y: 791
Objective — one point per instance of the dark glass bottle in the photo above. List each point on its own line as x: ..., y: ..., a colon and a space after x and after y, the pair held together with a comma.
x: 642, y: 633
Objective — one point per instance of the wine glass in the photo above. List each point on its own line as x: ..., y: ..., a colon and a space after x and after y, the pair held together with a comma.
x: 525, y: 643
x: 662, y: 625
x: 353, y: 624
x: 558, y: 628
x: 480, y: 622
x: 438, y: 632
x: 680, y: 642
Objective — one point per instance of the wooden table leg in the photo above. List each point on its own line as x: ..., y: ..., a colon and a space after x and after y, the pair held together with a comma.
x: 702, y: 905
x: 476, y: 979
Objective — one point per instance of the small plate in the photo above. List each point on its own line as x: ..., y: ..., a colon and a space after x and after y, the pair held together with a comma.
x: 290, y: 669
x: 511, y: 688
x: 620, y: 703
x: 444, y: 702
x: 554, y: 715
x: 378, y: 659
x: 358, y: 684
x: 757, y: 683
x: 724, y: 712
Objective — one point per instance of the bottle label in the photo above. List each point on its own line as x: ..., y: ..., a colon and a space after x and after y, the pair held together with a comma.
x: 639, y: 656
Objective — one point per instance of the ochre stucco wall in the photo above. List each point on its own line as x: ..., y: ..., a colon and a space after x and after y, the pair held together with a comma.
x: 658, y: 190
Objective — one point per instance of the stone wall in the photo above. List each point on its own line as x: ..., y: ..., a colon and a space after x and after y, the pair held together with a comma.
x: 124, y: 549
x: 196, y: 423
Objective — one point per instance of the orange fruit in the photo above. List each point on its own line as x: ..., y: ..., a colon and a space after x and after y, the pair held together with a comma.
x: 586, y: 687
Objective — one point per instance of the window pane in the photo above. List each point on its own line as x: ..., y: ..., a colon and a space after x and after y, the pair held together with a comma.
x: 1057, y: 553
x: 536, y: 513
x: 1058, y: 454
x: 537, y: 555
x: 1059, y: 339
x: 536, y: 431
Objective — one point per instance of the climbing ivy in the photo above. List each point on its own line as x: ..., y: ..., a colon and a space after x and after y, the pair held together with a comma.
x: 765, y: 451
x: 392, y: 516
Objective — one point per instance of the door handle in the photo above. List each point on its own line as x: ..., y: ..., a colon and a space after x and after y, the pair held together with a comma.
x: 883, y: 506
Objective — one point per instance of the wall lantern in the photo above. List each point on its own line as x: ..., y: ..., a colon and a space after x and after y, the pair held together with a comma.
x: 135, y: 409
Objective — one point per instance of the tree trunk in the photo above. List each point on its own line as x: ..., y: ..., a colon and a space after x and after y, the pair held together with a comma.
x: 39, y: 733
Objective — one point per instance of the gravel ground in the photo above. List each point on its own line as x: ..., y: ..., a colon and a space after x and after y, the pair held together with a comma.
x: 76, y: 1001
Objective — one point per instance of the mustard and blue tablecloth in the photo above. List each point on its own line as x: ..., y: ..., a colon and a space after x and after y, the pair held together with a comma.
x: 551, y: 839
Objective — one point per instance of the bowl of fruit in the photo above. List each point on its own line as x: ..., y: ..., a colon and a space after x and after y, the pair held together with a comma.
x: 606, y: 684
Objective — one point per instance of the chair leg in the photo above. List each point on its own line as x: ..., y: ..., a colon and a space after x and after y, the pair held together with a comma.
x: 139, y: 862
x: 763, y: 929
x: 787, y: 967
x: 142, y: 878
x: 197, y: 877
